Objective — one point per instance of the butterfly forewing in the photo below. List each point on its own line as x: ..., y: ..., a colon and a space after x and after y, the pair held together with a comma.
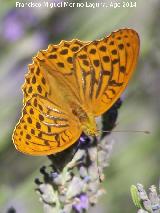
x: 59, y: 58
x: 103, y: 68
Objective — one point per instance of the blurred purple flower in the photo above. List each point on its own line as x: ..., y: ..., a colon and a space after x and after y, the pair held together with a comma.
x: 15, y: 23
x: 13, y: 28
x: 83, y: 203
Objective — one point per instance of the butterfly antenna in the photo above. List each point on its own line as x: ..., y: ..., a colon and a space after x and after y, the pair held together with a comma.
x: 126, y: 131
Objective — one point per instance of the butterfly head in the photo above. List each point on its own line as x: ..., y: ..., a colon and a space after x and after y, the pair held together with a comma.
x: 89, y: 127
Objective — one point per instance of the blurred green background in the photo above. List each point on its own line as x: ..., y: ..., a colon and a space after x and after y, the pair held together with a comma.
x: 135, y: 157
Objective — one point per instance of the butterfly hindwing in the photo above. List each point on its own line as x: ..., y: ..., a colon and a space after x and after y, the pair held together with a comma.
x: 44, y: 128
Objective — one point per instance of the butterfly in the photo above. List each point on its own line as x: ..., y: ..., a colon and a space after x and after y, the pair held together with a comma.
x: 68, y: 85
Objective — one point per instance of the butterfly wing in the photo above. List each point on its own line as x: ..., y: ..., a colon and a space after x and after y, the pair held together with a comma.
x: 58, y: 59
x: 47, y: 124
x: 45, y: 128
x: 103, y: 69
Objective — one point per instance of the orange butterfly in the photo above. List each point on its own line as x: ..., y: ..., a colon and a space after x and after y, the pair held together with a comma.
x: 68, y: 85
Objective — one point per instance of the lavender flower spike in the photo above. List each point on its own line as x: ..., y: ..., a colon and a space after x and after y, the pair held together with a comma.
x: 145, y: 203
x: 72, y: 183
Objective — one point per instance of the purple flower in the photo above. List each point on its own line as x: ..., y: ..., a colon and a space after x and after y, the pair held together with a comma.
x: 82, y: 203
x: 13, y: 28
x: 54, y: 175
x: 15, y: 23
x: 84, y: 140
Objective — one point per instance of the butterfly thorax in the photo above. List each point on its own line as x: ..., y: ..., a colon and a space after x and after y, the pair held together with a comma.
x: 87, y: 120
